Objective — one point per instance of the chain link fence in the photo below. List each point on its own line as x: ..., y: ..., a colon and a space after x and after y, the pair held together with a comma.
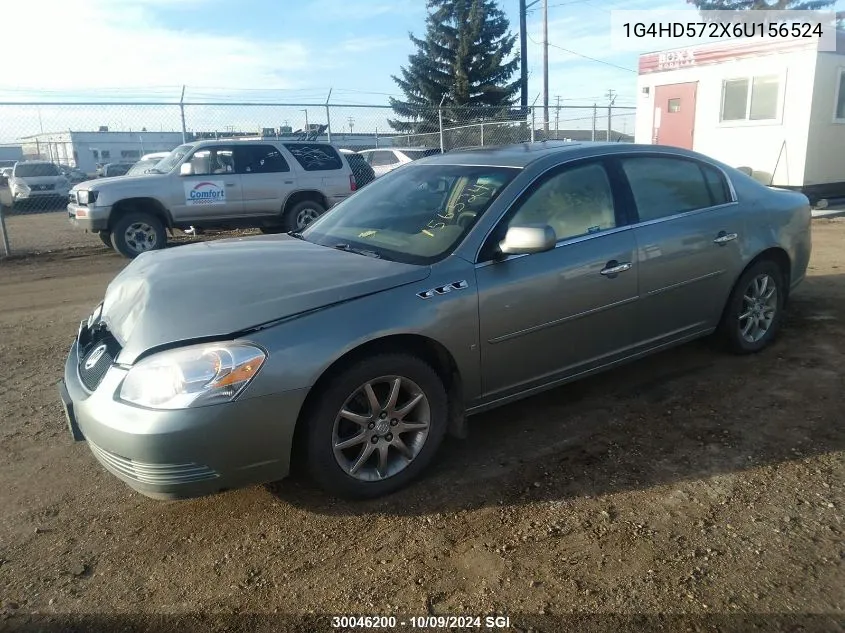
x: 91, y: 140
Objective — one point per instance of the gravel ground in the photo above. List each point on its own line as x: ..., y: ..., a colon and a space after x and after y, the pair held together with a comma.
x: 698, y: 485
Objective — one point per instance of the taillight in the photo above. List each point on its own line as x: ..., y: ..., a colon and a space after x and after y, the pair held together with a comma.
x: 353, y: 186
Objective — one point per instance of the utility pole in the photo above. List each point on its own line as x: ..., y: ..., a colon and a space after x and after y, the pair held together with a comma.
x: 523, y: 58
x: 546, y: 67
x: 611, y: 97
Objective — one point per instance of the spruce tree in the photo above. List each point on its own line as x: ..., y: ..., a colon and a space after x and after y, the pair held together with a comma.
x: 466, y: 55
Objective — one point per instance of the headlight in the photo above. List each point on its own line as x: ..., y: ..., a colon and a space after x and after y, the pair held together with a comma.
x: 84, y: 196
x: 192, y: 376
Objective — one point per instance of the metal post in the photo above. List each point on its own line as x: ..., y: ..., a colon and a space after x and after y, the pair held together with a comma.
x: 523, y: 57
x: 182, y: 112
x: 532, y: 124
x: 482, y: 133
x: 546, y: 69
x: 609, y: 120
x: 557, y: 119
x: 440, y: 118
x: 376, y: 136
x: 595, y: 114
x: 329, y: 117
x: 3, y: 233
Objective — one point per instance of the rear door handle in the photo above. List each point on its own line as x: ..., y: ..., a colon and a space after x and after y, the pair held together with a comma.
x: 614, y: 268
x: 724, y: 237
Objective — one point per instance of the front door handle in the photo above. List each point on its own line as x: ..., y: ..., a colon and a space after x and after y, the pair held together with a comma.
x: 614, y: 268
x: 724, y: 238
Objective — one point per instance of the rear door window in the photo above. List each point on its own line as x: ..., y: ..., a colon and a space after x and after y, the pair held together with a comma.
x: 666, y: 186
x: 260, y: 159
x: 315, y: 156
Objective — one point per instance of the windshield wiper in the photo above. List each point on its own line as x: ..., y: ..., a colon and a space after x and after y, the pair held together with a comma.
x: 359, y: 251
x: 296, y: 234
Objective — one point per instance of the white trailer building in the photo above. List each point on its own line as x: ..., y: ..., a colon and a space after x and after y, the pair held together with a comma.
x: 775, y: 107
x: 86, y: 150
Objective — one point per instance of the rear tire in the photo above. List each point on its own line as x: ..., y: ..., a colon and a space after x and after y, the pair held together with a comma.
x: 754, y: 311
x: 408, y: 434
x: 137, y: 232
x: 302, y: 214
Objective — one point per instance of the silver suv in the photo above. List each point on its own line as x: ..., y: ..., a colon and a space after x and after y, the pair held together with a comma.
x: 276, y: 186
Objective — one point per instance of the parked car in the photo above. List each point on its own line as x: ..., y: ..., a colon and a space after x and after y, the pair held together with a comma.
x: 112, y: 170
x: 364, y: 174
x: 34, y: 180
x: 459, y: 283
x: 74, y: 176
x: 219, y: 184
x: 385, y: 160
x: 7, y: 171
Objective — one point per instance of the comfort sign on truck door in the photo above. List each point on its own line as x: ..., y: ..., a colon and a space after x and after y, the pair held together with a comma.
x: 205, y: 192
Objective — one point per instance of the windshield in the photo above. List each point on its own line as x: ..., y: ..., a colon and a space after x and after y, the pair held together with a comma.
x: 166, y: 164
x: 35, y: 170
x: 142, y: 167
x: 415, y: 215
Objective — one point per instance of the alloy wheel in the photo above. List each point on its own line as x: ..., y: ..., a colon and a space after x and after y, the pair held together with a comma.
x: 759, y: 304
x: 140, y: 237
x: 381, y: 428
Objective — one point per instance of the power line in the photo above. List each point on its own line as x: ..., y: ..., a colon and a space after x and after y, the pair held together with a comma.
x: 593, y: 59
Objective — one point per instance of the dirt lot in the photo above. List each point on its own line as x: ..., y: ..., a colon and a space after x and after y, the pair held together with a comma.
x: 693, y: 483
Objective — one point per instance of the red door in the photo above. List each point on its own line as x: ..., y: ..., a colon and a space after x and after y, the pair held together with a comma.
x: 674, y: 114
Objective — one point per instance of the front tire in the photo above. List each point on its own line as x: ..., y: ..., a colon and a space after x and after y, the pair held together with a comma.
x: 302, y: 214
x: 754, y: 312
x: 376, y: 426
x: 136, y: 233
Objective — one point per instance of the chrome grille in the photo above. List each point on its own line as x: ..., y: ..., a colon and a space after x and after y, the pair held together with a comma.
x: 153, y: 474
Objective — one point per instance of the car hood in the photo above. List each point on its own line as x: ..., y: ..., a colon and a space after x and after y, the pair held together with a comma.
x: 127, y: 181
x: 212, y: 289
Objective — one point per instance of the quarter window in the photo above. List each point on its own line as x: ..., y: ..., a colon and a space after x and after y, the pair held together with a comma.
x: 574, y: 202
x: 663, y: 187
x: 750, y: 98
x: 261, y: 159
x: 315, y: 156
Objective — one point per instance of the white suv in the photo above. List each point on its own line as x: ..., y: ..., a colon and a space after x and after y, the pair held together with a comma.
x: 222, y: 184
x: 385, y: 160
x: 37, y: 180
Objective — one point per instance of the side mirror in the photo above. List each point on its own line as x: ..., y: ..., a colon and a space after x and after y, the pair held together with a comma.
x: 520, y: 240
x: 186, y: 169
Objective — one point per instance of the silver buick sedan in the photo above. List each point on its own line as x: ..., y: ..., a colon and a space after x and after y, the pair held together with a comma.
x: 457, y: 283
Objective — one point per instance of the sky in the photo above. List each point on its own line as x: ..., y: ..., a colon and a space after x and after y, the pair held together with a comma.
x: 270, y: 51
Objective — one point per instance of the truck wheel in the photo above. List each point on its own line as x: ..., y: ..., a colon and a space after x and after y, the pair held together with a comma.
x: 302, y: 214
x: 136, y: 233
x: 105, y: 238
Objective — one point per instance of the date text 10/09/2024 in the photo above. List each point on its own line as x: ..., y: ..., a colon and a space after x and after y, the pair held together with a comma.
x: 719, y: 30
x: 421, y: 622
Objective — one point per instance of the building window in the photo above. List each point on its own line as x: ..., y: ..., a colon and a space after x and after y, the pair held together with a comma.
x: 839, y: 112
x: 674, y: 105
x: 750, y: 98
x: 130, y: 153
x: 105, y: 154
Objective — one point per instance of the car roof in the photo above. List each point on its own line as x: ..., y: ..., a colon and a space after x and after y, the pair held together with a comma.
x: 521, y: 155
